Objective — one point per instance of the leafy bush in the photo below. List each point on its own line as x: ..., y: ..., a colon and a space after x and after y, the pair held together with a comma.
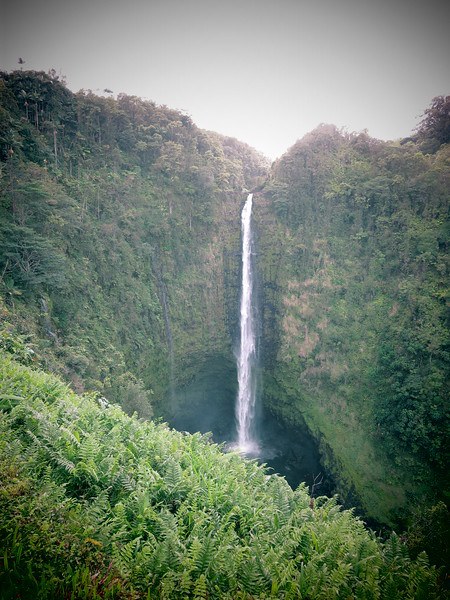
x: 95, y: 503
x: 16, y: 345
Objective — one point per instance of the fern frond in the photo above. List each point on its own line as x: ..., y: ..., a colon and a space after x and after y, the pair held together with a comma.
x: 173, y: 476
x: 201, y: 553
x: 124, y: 555
x: 201, y: 588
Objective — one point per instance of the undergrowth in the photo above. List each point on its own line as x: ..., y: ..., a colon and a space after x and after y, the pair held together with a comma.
x: 97, y: 504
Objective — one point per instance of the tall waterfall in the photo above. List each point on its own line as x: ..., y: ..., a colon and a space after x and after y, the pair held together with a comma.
x: 245, y: 405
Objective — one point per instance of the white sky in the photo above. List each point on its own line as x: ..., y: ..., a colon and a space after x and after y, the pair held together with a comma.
x: 264, y: 71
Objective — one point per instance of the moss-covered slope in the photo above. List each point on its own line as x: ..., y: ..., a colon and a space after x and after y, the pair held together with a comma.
x: 118, y: 219
x: 353, y: 242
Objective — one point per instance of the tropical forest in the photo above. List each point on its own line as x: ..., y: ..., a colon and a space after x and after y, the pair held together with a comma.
x: 220, y: 377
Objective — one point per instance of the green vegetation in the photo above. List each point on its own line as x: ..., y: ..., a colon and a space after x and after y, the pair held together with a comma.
x: 119, y: 271
x: 97, y: 504
x: 116, y: 220
x: 356, y: 273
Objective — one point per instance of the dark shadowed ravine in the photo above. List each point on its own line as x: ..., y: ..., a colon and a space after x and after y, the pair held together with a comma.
x: 207, y: 405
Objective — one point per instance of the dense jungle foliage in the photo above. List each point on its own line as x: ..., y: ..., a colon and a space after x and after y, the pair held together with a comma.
x: 119, y: 271
x: 97, y: 504
x: 357, y: 293
x: 115, y: 220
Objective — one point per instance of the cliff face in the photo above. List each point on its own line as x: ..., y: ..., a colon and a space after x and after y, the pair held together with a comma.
x: 353, y: 257
x: 120, y: 236
x: 119, y: 225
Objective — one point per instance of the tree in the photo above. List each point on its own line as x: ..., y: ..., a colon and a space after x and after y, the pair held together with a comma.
x: 434, y: 129
x: 30, y: 259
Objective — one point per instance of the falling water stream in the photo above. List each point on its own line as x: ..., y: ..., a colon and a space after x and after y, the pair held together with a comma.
x: 246, y: 360
x: 293, y: 452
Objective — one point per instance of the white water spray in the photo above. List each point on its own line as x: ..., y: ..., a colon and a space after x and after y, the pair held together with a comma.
x: 245, y: 406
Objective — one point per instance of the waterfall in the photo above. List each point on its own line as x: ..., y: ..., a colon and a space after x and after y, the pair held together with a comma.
x: 245, y: 405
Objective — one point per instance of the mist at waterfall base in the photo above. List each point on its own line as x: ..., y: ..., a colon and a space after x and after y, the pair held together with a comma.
x: 207, y: 404
x: 223, y: 398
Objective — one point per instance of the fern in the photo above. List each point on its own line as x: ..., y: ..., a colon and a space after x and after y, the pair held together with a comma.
x: 173, y: 477
x: 281, y: 505
x: 201, y: 588
x: 165, y: 558
x: 61, y: 461
x: 124, y: 556
x: 169, y: 515
x: 249, y: 577
x: 99, y: 509
x: 201, y: 554
x: 185, y: 583
x: 168, y: 586
x: 166, y: 524
x: 126, y: 482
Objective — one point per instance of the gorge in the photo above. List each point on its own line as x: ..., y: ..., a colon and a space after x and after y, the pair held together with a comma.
x: 234, y: 418
x: 123, y: 220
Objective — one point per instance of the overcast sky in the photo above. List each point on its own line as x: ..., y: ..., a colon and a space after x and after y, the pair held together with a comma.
x: 264, y: 71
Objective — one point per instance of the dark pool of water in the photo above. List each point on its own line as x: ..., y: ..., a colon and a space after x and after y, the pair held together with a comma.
x: 207, y: 405
x: 294, y: 453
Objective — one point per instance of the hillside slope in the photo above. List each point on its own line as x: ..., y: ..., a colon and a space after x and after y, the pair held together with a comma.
x: 353, y: 243
x: 117, y: 218
x: 96, y: 504
x: 119, y: 264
